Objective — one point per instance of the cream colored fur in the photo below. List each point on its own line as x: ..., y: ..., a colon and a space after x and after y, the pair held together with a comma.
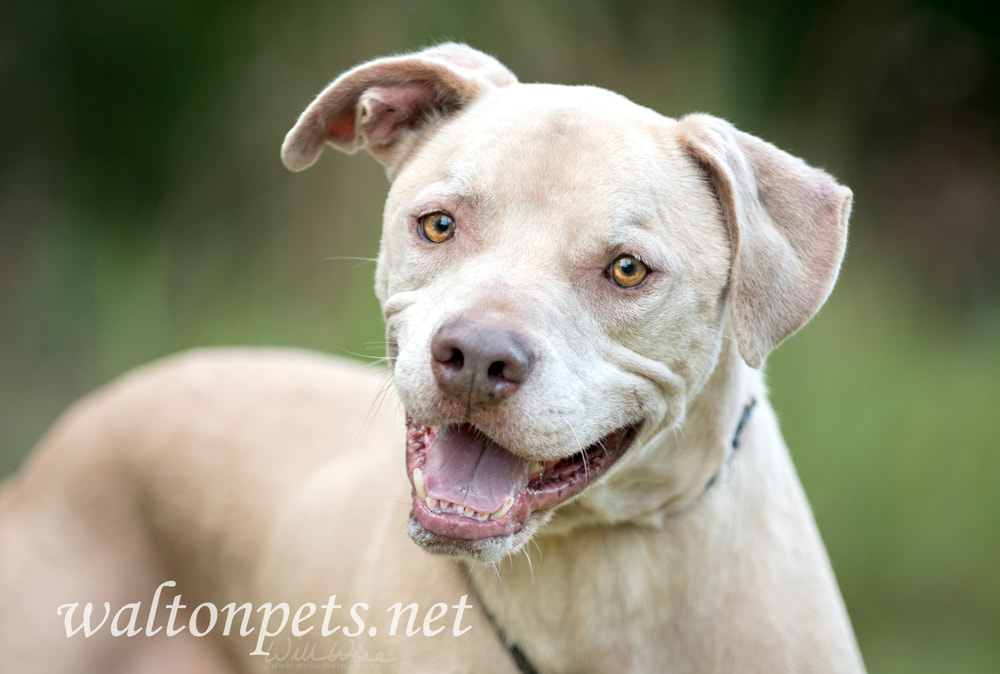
x: 270, y: 476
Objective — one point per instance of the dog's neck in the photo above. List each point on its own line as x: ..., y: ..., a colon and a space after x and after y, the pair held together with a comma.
x: 678, y: 532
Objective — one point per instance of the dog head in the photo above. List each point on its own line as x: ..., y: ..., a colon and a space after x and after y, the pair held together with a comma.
x: 560, y: 273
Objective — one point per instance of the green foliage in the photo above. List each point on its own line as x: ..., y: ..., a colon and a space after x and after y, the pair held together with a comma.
x: 143, y: 210
x: 888, y: 407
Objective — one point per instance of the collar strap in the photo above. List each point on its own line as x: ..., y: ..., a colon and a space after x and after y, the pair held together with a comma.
x: 734, y: 444
x: 524, y: 665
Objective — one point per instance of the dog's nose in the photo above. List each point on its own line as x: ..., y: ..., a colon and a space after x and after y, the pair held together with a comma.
x: 479, y: 363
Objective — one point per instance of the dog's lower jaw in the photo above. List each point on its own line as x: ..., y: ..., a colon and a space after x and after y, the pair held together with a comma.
x: 484, y: 550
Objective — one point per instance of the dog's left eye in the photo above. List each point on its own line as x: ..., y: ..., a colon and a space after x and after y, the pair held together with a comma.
x: 627, y: 271
x: 437, y: 227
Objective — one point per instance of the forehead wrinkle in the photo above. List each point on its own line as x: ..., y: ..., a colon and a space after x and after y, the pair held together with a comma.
x: 464, y: 181
x: 623, y: 231
x: 458, y: 186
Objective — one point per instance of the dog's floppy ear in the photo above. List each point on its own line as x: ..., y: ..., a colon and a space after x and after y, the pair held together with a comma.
x: 383, y: 105
x: 787, y: 224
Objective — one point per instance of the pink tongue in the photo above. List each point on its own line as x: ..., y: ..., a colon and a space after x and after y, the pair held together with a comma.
x: 467, y: 468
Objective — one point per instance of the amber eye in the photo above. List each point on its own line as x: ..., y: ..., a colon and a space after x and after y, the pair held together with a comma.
x: 627, y: 271
x: 437, y: 227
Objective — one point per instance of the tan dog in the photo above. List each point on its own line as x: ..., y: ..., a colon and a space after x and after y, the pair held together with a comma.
x: 578, y: 293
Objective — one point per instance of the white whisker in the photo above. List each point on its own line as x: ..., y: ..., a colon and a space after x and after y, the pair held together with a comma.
x: 377, y: 403
x: 348, y: 258
x: 582, y: 450
x: 531, y: 568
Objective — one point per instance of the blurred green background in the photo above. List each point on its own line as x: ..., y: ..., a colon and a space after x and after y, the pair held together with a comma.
x: 144, y: 210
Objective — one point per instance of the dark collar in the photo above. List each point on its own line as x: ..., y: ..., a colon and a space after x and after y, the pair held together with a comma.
x: 516, y: 654
x: 734, y: 444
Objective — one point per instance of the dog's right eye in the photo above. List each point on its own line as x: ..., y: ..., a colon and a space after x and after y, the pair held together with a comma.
x: 627, y: 271
x: 437, y: 227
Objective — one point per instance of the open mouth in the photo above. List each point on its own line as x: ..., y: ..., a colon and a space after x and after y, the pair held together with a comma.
x: 465, y: 486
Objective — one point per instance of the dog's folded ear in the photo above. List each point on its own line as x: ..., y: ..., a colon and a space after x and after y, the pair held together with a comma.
x: 386, y: 104
x: 787, y: 224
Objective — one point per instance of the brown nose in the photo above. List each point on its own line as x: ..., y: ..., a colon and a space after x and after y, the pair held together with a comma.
x: 479, y: 363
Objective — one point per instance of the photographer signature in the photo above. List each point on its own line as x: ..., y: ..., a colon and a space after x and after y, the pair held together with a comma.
x: 307, y: 652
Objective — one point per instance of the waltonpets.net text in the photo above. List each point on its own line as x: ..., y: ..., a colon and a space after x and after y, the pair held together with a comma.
x: 273, y: 619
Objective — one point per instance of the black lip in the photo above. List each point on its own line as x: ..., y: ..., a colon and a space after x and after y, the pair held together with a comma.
x: 588, y: 463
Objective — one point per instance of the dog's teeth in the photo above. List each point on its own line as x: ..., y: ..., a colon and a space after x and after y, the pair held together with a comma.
x: 536, y: 467
x: 420, y: 485
x: 504, y: 509
x: 419, y: 482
